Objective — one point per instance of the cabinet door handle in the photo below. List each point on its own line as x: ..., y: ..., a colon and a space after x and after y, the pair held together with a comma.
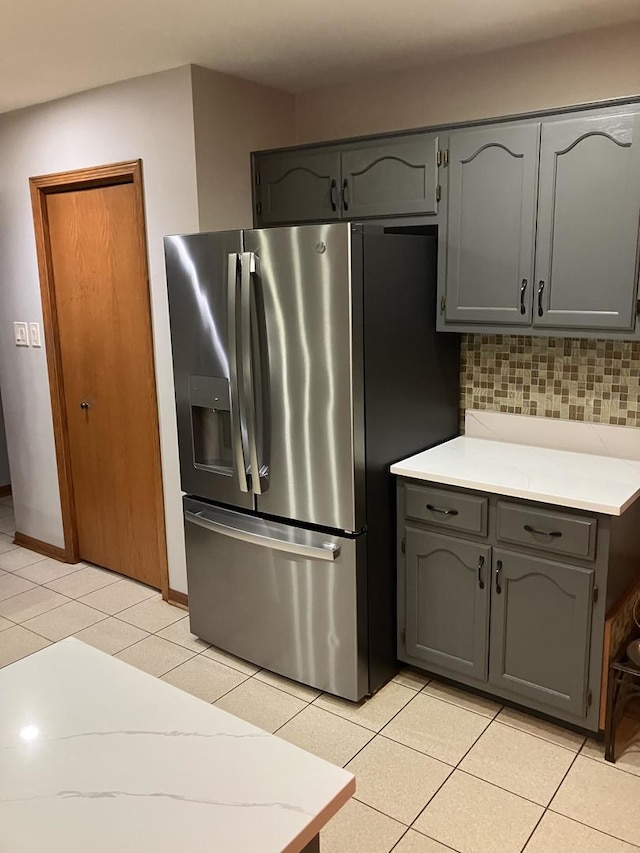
x: 433, y: 508
x: 498, y: 572
x: 540, y: 292
x: 345, y: 197
x: 479, y: 570
x: 523, y: 290
x: 530, y: 529
x: 332, y: 196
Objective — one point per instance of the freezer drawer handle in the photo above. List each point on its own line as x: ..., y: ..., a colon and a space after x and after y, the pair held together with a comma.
x: 329, y: 552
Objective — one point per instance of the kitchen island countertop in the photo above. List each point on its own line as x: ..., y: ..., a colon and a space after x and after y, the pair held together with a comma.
x: 97, y: 755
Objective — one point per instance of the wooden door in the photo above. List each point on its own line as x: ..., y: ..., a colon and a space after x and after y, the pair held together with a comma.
x: 297, y: 186
x: 97, y: 276
x: 391, y: 178
x: 491, y: 224
x: 541, y: 630
x: 588, y: 207
x: 447, y: 602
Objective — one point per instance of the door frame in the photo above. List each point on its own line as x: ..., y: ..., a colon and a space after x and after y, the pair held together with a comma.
x: 129, y: 172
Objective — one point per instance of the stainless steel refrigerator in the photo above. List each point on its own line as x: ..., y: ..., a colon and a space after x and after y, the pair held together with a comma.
x: 306, y: 361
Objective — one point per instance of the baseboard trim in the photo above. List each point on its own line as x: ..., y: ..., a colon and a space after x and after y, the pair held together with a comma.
x: 43, y: 548
x: 5, y: 491
x: 180, y: 599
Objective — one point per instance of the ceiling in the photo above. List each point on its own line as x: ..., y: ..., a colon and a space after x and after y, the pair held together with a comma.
x: 51, y: 48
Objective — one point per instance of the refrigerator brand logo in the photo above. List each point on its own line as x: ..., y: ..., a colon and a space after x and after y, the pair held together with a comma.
x: 321, y: 248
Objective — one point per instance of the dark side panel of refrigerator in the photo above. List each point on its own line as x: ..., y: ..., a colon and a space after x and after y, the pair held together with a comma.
x: 412, y: 393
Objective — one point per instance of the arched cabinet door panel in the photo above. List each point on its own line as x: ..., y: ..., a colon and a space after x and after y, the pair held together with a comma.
x: 297, y: 186
x: 588, y: 216
x: 540, y: 630
x: 392, y: 177
x: 493, y: 176
x: 447, y: 602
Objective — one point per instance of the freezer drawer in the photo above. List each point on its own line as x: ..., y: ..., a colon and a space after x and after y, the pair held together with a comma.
x: 287, y: 599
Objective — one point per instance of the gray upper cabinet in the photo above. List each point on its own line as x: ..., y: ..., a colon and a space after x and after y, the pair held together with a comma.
x: 447, y: 602
x: 394, y: 177
x: 493, y: 176
x: 297, y: 186
x: 540, y: 630
x: 589, y: 201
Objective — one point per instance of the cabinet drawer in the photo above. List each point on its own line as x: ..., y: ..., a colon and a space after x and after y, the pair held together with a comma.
x: 447, y: 509
x: 550, y: 531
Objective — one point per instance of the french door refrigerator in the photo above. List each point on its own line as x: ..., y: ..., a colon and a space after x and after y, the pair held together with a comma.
x: 306, y: 361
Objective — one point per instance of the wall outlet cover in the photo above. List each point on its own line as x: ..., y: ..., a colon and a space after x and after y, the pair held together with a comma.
x: 21, y: 334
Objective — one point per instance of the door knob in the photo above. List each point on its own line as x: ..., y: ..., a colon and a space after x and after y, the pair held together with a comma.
x: 84, y: 405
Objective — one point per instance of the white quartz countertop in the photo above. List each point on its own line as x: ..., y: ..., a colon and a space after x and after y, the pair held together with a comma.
x: 98, y: 756
x: 580, y: 480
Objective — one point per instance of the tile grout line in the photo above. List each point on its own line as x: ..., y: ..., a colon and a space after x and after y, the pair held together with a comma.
x: 546, y: 808
x: 66, y: 636
x: 539, y: 737
x: 602, y: 762
x: 375, y: 731
x: 415, y: 749
x: 44, y: 611
x: 601, y: 831
x: 461, y: 707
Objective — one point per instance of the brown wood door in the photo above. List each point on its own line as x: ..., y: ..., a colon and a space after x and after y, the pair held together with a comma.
x: 98, y: 271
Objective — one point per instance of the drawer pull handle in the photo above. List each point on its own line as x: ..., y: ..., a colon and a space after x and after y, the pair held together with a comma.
x: 498, y: 571
x: 554, y: 533
x: 433, y: 508
x: 479, y: 570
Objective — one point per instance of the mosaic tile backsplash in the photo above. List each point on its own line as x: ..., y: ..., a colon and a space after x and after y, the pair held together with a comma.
x: 578, y: 379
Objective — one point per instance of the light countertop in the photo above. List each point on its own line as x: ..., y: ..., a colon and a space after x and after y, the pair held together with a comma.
x: 586, y: 481
x: 96, y: 755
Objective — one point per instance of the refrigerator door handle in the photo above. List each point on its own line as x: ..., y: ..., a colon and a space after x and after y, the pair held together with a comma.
x: 328, y: 551
x: 249, y: 268
x: 234, y: 261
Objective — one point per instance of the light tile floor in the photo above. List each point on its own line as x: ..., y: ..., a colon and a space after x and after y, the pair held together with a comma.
x: 438, y: 769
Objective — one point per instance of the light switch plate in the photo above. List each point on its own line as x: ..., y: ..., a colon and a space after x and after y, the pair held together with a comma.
x: 34, y: 335
x: 21, y: 334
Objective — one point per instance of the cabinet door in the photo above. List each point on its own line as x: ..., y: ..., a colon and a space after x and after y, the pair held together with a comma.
x: 394, y: 177
x: 297, y: 186
x: 540, y: 630
x: 447, y: 595
x: 491, y: 225
x: 589, y: 200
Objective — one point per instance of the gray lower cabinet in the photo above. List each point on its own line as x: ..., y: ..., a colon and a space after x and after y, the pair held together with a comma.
x: 587, y: 244
x: 540, y: 630
x: 393, y: 177
x: 298, y: 186
x: 510, y: 596
x: 493, y: 174
x: 447, y: 601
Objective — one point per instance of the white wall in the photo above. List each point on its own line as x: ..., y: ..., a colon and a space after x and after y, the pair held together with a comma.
x: 150, y: 118
x: 232, y: 118
x: 5, y: 477
x: 554, y: 73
